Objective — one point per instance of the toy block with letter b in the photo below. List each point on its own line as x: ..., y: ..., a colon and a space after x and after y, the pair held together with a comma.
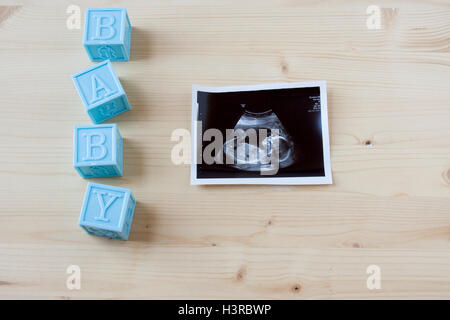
x: 107, y: 211
x: 107, y: 34
x: 101, y: 92
x: 98, y: 151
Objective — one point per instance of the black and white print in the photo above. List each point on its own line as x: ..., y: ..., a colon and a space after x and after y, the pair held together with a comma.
x: 285, y: 134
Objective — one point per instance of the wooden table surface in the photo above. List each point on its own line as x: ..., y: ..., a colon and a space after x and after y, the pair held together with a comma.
x: 389, y: 115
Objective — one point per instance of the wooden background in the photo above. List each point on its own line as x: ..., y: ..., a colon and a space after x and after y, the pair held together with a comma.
x: 389, y: 113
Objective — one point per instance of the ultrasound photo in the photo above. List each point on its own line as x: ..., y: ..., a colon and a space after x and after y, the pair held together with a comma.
x: 261, y: 134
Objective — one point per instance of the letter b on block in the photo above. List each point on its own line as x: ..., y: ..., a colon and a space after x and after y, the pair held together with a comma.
x: 98, y: 151
x: 107, y: 34
x: 101, y: 92
x: 107, y: 211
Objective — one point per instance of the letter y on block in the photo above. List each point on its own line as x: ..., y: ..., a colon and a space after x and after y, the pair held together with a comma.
x: 104, y: 206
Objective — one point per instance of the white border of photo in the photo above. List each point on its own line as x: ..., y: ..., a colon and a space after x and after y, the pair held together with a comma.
x: 327, y: 179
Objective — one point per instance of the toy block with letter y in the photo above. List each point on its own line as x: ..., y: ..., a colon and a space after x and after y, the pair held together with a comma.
x: 107, y: 34
x: 98, y: 151
x: 107, y: 211
x: 101, y: 92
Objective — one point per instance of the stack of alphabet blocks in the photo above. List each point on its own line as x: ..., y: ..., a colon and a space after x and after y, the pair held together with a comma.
x: 98, y: 149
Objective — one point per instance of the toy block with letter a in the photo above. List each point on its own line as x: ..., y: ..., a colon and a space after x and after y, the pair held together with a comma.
x: 101, y: 92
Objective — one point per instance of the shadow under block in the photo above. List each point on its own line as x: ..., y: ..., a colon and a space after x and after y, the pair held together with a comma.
x: 101, y: 92
x: 107, y: 34
x: 107, y: 211
x: 98, y: 151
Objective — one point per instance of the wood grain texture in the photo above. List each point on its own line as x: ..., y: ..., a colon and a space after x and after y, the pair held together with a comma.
x: 389, y: 114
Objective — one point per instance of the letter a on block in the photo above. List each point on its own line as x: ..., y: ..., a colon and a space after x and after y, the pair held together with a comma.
x: 99, y: 85
x: 104, y: 206
x: 104, y: 22
x: 90, y: 145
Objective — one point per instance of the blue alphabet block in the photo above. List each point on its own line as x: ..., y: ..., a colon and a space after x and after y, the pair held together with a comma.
x: 107, y: 211
x: 101, y: 92
x: 107, y: 34
x: 98, y: 151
